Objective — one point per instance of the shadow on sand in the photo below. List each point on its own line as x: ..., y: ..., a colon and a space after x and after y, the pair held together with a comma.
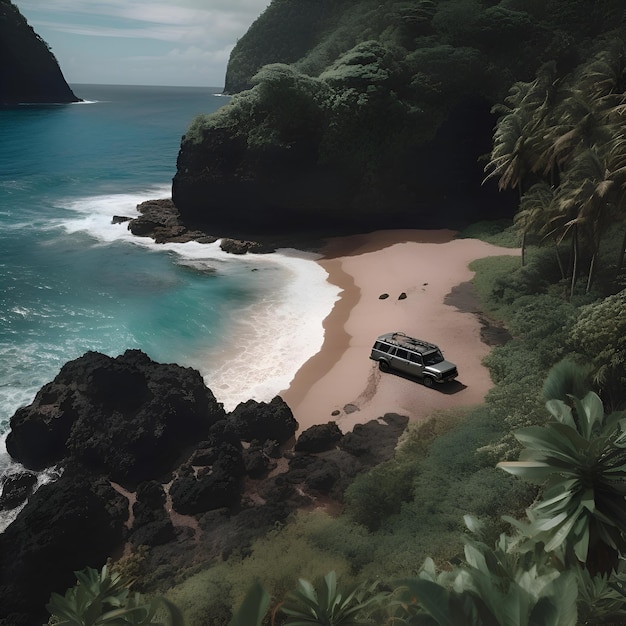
x: 449, y: 388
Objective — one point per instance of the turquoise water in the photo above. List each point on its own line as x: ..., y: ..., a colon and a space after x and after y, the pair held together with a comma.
x: 72, y: 281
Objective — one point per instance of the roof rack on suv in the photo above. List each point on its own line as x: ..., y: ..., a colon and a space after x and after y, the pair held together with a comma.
x: 403, y: 339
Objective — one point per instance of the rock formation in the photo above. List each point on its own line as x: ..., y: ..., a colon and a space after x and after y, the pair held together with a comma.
x: 29, y: 72
x: 149, y: 459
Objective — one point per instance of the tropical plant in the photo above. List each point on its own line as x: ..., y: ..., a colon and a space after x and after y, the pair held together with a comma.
x: 580, y: 457
x: 495, y: 586
x: 103, y: 597
x: 599, y: 338
x: 331, y: 606
x: 253, y: 609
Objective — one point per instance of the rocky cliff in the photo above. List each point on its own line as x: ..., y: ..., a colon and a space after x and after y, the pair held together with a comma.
x: 371, y: 113
x: 29, y: 72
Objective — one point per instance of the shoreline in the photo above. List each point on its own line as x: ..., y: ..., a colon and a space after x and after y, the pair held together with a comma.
x: 430, y: 269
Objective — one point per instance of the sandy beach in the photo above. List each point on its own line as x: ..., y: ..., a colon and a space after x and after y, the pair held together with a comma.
x: 340, y: 382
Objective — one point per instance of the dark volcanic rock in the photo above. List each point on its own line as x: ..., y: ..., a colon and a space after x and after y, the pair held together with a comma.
x: 160, y: 220
x: 263, y: 421
x: 257, y: 462
x: 29, y: 72
x: 16, y: 488
x: 151, y: 523
x: 375, y: 442
x: 319, y: 438
x: 239, y: 246
x: 66, y: 525
x: 217, y: 488
x: 127, y: 417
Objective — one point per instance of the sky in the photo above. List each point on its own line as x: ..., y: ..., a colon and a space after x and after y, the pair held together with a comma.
x: 142, y: 42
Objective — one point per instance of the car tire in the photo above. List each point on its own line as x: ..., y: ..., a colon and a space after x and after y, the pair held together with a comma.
x: 428, y: 381
x: 383, y: 366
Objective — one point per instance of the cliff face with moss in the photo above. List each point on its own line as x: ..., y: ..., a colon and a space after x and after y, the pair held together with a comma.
x: 29, y: 72
x: 372, y: 113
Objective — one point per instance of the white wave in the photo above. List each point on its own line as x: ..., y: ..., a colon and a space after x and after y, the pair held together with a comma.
x: 271, y: 340
x: 8, y: 467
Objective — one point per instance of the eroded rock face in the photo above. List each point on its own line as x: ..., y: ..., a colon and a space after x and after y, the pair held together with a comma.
x: 126, y: 417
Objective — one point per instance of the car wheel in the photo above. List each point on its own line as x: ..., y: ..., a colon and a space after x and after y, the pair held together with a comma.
x: 428, y: 381
x: 383, y: 366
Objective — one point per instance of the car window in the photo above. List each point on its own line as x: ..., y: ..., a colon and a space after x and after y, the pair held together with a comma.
x: 432, y: 358
x: 403, y: 354
x: 416, y: 358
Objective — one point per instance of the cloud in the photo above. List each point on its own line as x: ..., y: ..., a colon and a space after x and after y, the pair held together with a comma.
x: 148, y: 32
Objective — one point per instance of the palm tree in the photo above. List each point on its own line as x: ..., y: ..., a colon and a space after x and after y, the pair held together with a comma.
x: 518, y: 136
x: 536, y: 205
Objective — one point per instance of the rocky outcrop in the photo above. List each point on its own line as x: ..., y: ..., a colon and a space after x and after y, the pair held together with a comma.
x: 127, y: 418
x: 319, y: 437
x: 263, y: 421
x: 148, y: 457
x: 160, y: 219
x: 29, y: 72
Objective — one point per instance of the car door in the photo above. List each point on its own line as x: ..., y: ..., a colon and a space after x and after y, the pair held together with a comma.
x: 402, y: 361
x: 417, y: 364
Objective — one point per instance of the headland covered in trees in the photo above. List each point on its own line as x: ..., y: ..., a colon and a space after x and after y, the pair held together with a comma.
x: 431, y: 530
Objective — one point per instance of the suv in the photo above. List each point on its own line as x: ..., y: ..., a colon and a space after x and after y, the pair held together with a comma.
x: 397, y: 351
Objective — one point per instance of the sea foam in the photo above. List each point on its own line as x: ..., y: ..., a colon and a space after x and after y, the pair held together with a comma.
x: 267, y: 341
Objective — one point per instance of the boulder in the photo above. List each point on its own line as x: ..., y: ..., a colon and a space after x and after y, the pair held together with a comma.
x: 127, y: 417
x: 239, y: 246
x: 318, y: 438
x: 16, y: 488
x: 262, y: 421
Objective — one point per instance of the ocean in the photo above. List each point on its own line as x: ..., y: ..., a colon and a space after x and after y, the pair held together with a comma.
x: 72, y: 281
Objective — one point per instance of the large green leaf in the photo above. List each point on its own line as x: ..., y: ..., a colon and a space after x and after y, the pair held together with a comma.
x: 253, y: 608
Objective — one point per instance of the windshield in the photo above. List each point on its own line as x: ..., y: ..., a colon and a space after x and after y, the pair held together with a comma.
x: 432, y: 358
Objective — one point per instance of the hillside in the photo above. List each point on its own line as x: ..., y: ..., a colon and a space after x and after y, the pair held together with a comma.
x: 372, y: 114
x: 29, y: 72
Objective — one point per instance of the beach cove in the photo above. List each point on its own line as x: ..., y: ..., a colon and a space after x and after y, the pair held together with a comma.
x: 375, y: 272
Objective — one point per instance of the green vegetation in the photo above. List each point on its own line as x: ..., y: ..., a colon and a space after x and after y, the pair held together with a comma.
x: 359, y: 90
x: 103, y: 597
x: 559, y: 142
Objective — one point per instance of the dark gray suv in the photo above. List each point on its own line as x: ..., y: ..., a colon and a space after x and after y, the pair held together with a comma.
x: 399, y: 352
